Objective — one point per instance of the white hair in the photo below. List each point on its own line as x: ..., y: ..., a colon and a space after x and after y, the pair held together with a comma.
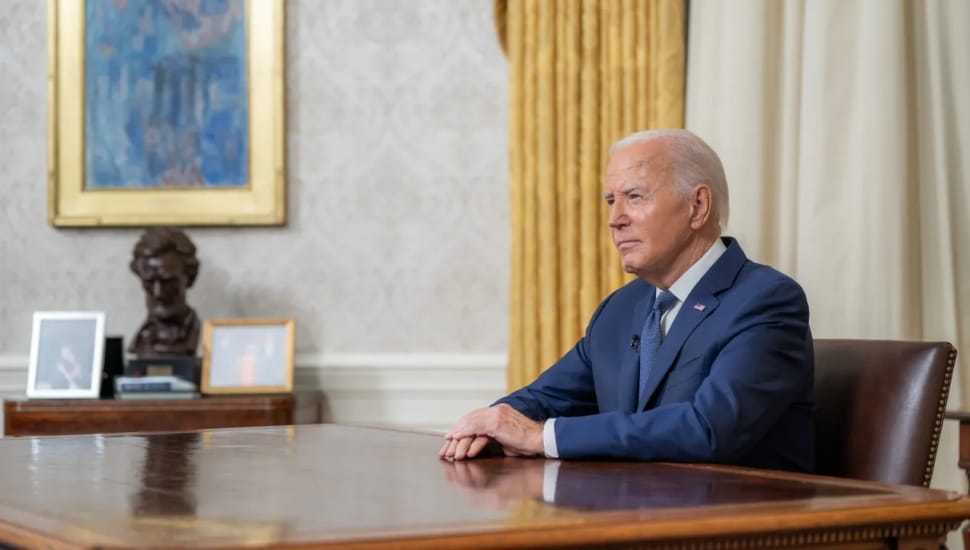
x: 694, y: 163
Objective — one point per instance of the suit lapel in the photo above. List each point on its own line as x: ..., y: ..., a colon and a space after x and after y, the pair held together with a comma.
x: 701, y: 302
x: 629, y: 376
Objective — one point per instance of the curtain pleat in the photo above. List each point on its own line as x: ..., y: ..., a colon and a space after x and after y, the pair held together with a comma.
x: 582, y: 75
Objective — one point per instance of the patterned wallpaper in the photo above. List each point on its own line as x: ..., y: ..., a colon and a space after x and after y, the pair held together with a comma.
x: 397, y: 238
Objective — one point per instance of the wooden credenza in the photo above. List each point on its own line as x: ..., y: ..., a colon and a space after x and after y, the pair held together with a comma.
x: 76, y: 416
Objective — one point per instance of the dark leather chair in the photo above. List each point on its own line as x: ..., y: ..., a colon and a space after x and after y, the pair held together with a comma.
x: 880, y: 407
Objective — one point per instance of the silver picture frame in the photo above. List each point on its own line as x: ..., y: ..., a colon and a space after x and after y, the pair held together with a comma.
x: 66, y: 355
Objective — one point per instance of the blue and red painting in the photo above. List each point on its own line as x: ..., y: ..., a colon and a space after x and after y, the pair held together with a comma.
x: 165, y: 94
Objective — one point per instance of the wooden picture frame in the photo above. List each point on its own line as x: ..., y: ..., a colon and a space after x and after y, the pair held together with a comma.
x: 248, y: 356
x: 66, y: 355
x: 123, y: 152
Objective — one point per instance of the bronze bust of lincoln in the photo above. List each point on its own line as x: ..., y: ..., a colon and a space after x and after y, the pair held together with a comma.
x: 164, y: 259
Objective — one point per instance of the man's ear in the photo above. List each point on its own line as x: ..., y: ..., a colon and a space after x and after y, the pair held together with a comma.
x: 701, y: 206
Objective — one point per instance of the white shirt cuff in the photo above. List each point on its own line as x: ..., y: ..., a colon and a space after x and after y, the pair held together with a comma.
x: 549, y: 439
x: 550, y: 475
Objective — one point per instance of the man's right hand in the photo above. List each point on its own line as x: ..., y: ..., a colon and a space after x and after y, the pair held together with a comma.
x: 472, y: 446
x: 514, y: 433
x: 467, y: 447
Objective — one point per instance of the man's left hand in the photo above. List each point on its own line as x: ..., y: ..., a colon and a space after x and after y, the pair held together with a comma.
x: 515, y: 432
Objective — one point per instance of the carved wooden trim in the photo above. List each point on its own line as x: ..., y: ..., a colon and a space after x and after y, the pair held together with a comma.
x: 805, y: 538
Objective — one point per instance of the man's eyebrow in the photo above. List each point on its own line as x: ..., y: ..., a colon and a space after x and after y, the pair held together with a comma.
x: 629, y: 188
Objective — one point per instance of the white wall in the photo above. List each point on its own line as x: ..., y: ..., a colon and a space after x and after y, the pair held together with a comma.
x: 397, y: 241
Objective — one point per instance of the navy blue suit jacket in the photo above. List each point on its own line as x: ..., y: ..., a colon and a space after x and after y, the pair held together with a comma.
x: 733, y: 380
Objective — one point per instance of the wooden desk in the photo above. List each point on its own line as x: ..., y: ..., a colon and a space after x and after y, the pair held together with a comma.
x: 77, y: 416
x: 337, y: 486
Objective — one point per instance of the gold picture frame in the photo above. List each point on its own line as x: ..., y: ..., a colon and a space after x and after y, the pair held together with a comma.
x: 261, y: 201
x: 248, y: 355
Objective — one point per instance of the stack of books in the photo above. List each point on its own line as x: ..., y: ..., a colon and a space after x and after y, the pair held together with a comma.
x: 154, y: 387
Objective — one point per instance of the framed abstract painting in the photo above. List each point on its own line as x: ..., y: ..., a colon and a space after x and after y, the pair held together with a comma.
x: 166, y: 112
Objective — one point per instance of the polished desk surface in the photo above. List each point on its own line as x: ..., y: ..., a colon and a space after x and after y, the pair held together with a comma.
x: 346, y: 486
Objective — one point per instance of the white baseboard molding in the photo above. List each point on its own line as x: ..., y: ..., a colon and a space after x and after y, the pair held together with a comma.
x: 418, y: 390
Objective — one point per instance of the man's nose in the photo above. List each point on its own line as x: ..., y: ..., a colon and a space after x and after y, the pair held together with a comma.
x: 156, y: 288
x: 617, y: 216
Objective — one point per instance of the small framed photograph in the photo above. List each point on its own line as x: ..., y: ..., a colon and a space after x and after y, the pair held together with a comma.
x: 66, y: 353
x: 248, y: 356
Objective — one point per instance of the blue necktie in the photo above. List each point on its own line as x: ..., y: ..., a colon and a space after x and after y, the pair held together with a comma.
x: 650, y: 339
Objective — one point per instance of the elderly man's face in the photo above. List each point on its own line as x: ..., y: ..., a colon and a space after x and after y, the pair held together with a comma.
x: 650, y: 223
x: 164, y: 280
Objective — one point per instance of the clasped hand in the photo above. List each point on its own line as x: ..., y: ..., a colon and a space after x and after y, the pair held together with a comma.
x: 493, y: 430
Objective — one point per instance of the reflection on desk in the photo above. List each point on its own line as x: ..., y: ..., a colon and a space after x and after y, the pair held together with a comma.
x: 343, y: 486
x: 597, y: 487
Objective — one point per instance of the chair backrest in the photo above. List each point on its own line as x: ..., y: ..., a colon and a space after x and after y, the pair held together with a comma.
x: 879, y: 408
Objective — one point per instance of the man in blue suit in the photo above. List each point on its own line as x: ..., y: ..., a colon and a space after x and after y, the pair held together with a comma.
x: 705, y: 357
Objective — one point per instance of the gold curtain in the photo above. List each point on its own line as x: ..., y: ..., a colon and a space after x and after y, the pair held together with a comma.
x: 582, y: 74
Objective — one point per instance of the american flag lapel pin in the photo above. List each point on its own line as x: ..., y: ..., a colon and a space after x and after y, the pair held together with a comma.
x: 699, y: 307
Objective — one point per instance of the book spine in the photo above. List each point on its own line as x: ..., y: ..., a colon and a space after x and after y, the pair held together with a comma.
x: 144, y: 386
